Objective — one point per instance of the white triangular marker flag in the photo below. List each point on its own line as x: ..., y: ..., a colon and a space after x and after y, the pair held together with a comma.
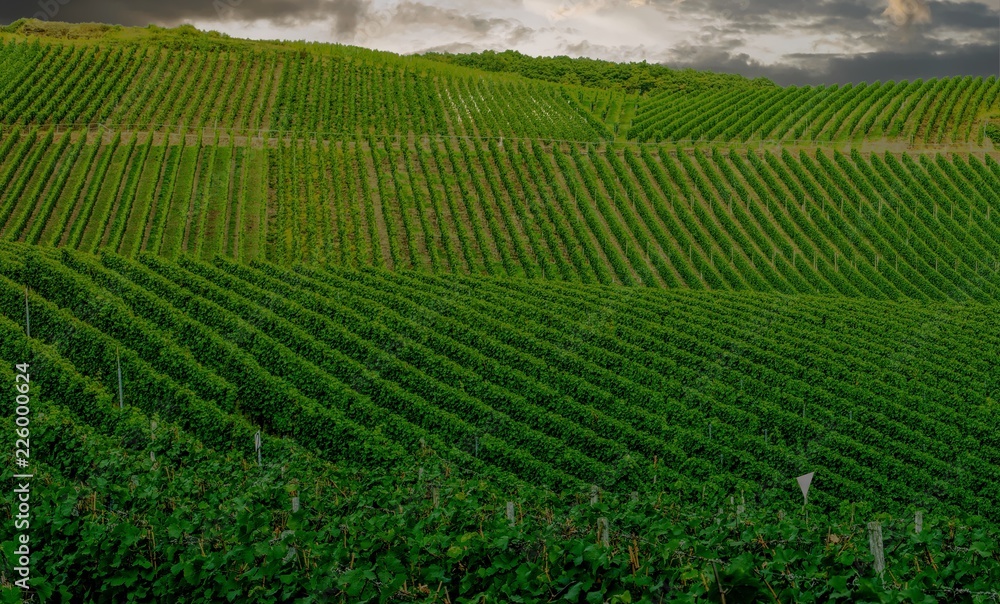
x: 804, y: 482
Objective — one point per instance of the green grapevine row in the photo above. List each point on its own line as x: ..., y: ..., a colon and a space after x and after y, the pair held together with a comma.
x: 933, y: 111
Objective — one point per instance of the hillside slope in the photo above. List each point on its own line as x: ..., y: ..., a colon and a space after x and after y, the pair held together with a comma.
x: 441, y: 397
x: 199, y: 145
x: 562, y: 385
x: 879, y: 225
x: 497, y: 340
x: 945, y: 110
x: 348, y: 93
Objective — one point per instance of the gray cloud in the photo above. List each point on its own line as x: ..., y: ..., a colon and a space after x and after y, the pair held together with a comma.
x: 346, y: 14
x: 895, y: 39
x: 622, y: 53
x: 410, y: 13
x: 838, y: 16
x: 412, y: 17
x: 790, y: 41
x: 965, y: 15
x: 802, y: 69
x: 453, y: 48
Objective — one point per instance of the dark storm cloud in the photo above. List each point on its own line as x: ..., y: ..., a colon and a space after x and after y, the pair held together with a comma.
x: 838, y: 16
x: 968, y: 15
x: 967, y: 60
x: 774, y: 14
x: 802, y: 69
x: 789, y: 41
x: 893, y: 39
x: 347, y: 13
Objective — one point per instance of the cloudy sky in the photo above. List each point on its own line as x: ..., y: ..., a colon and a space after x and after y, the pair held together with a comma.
x: 790, y: 41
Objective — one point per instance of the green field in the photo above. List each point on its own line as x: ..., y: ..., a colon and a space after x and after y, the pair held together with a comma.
x: 502, y: 338
x: 878, y: 225
x: 946, y: 110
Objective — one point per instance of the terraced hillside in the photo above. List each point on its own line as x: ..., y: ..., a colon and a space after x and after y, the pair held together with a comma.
x: 561, y: 384
x: 134, y: 191
x: 945, y: 110
x: 496, y: 338
x: 353, y: 93
x: 879, y: 225
x: 566, y: 385
x: 307, y: 153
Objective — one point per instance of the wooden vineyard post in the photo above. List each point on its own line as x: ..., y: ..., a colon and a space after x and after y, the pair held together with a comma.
x: 121, y: 394
x: 295, y: 504
x: 603, y: 532
x: 918, y: 522
x: 594, y: 490
x: 510, y: 513
x: 876, y: 545
x: 718, y: 583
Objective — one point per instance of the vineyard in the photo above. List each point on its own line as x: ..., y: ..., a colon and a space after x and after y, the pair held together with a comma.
x: 130, y: 86
x: 354, y: 93
x: 881, y: 226
x: 624, y: 389
x: 946, y: 110
x: 132, y: 192
x: 348, y: 95
x: 316, y: 323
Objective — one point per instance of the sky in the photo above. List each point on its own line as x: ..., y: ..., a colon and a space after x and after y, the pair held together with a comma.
x: 789, y: 41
